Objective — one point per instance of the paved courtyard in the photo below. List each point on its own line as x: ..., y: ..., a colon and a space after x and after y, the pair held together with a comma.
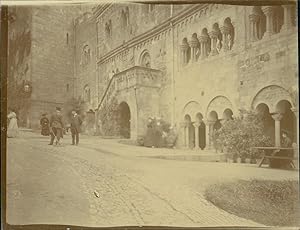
x: 104, y: 183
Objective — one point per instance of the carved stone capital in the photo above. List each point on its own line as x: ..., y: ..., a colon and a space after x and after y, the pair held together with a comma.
x: 194, y: 43
x: 225, y: 30
x: 268, y: 10
x: 254, y: 17
x: 184, y: 47
x: 196, y: 124
x: 213, y: 34
x: 209, y: 122
x: 277, y: 116
x: 203, y: 38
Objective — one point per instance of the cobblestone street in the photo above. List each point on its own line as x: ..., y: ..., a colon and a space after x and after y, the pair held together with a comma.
x: 90, y: 186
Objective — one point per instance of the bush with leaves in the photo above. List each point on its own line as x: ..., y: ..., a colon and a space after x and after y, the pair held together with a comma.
x: 238, y: 136
x: 109, y: 118
x: 159, y: 133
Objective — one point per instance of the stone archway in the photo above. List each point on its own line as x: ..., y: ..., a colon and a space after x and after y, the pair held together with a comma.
x: 271, y: 95
x: 268, y: 122
x: 288, y: 121
x: 190, y: 132
x: 201, y: 131
x: 218, y: 104
x: 124, y: 119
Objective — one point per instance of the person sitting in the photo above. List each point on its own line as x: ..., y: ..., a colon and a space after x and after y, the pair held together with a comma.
x: 286, y: 142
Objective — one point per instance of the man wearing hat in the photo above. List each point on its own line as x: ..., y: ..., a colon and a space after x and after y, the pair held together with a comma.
x: 75, y: 127
x: 56, y: 126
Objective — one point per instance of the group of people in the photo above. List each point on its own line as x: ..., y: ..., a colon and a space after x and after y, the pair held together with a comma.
x: 56, y: 128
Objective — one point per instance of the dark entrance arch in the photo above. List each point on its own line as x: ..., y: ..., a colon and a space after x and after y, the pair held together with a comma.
x: 268, y: 121
x: 191, y: 131
x: 124, y: 120
x: 201, y: 128
x: 288, y: 121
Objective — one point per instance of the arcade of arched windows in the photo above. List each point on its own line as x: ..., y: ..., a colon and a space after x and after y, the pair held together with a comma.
x: 269, y: 20
x: 208, y: 43
x: 198, y: 132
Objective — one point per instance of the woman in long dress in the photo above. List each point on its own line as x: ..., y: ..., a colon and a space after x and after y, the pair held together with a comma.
x: 12, y: 130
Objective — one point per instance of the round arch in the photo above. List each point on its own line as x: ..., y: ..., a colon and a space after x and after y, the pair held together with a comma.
x: 192, y: 108
x: 271, y: 95
x: 124, y: 118
x: 218, y: 104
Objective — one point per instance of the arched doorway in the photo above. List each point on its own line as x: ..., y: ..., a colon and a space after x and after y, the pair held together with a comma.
x: 288, y: 121
x: 268, y: 122
x: 124, y: 120
x: 190, y: 132
x: 201, y: 131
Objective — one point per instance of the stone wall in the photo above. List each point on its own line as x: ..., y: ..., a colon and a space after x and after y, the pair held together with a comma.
x: 85, y: 60
x: 52, y: 58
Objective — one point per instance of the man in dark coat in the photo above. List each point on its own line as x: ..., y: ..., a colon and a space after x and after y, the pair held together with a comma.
x: 44, y: 122
x: 75, y: 127
x: 286, y: 142
x: 56, y: 126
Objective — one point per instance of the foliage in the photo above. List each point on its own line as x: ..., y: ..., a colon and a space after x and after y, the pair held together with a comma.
x: 239, y: 135
x: 159, y: 133
x: 109, y: 118
x: 267, y: 202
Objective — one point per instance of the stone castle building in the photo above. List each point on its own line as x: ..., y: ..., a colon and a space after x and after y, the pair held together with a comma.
x: 193, y: 65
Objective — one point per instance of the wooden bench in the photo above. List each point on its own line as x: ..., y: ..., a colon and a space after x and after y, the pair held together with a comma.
x: 270, y: 153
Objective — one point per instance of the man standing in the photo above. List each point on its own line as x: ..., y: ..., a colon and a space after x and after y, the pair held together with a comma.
x: 75, y: 127
x: 56, y: 126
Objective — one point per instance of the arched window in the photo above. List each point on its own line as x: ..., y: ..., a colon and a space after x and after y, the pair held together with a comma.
x: 125, y: 17
x: 185, y: 51
x: 216, y: 36
x: 145, y: 60
x: 205, y: 43
x: 195, y: 47
x: 108, y: 29
x: 86, y: 55
x: 228, y: 34
x: 67, y: 37
x: 87, y: 94
x: 277, y: 19
x: 257, y: 23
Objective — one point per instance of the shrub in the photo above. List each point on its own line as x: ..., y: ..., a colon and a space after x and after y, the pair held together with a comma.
x: 159, y: 133
x: 263, y: 201
x: 237, y: 136
x: 109, y: 118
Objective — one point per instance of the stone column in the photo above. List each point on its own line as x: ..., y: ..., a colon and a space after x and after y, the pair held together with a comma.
x: 187, y: 135
x: 209, y: 132
x: 203, y: 43
x: 296, y: 112
x: 225, y: 30
x: 269, y: 12
x: 287, y: 21
x: 184, y: 52
x: 277, y: 117
x: 196, y: 125
x: 182, y: 131
x: 214, y: 36
x: 254, y: 20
